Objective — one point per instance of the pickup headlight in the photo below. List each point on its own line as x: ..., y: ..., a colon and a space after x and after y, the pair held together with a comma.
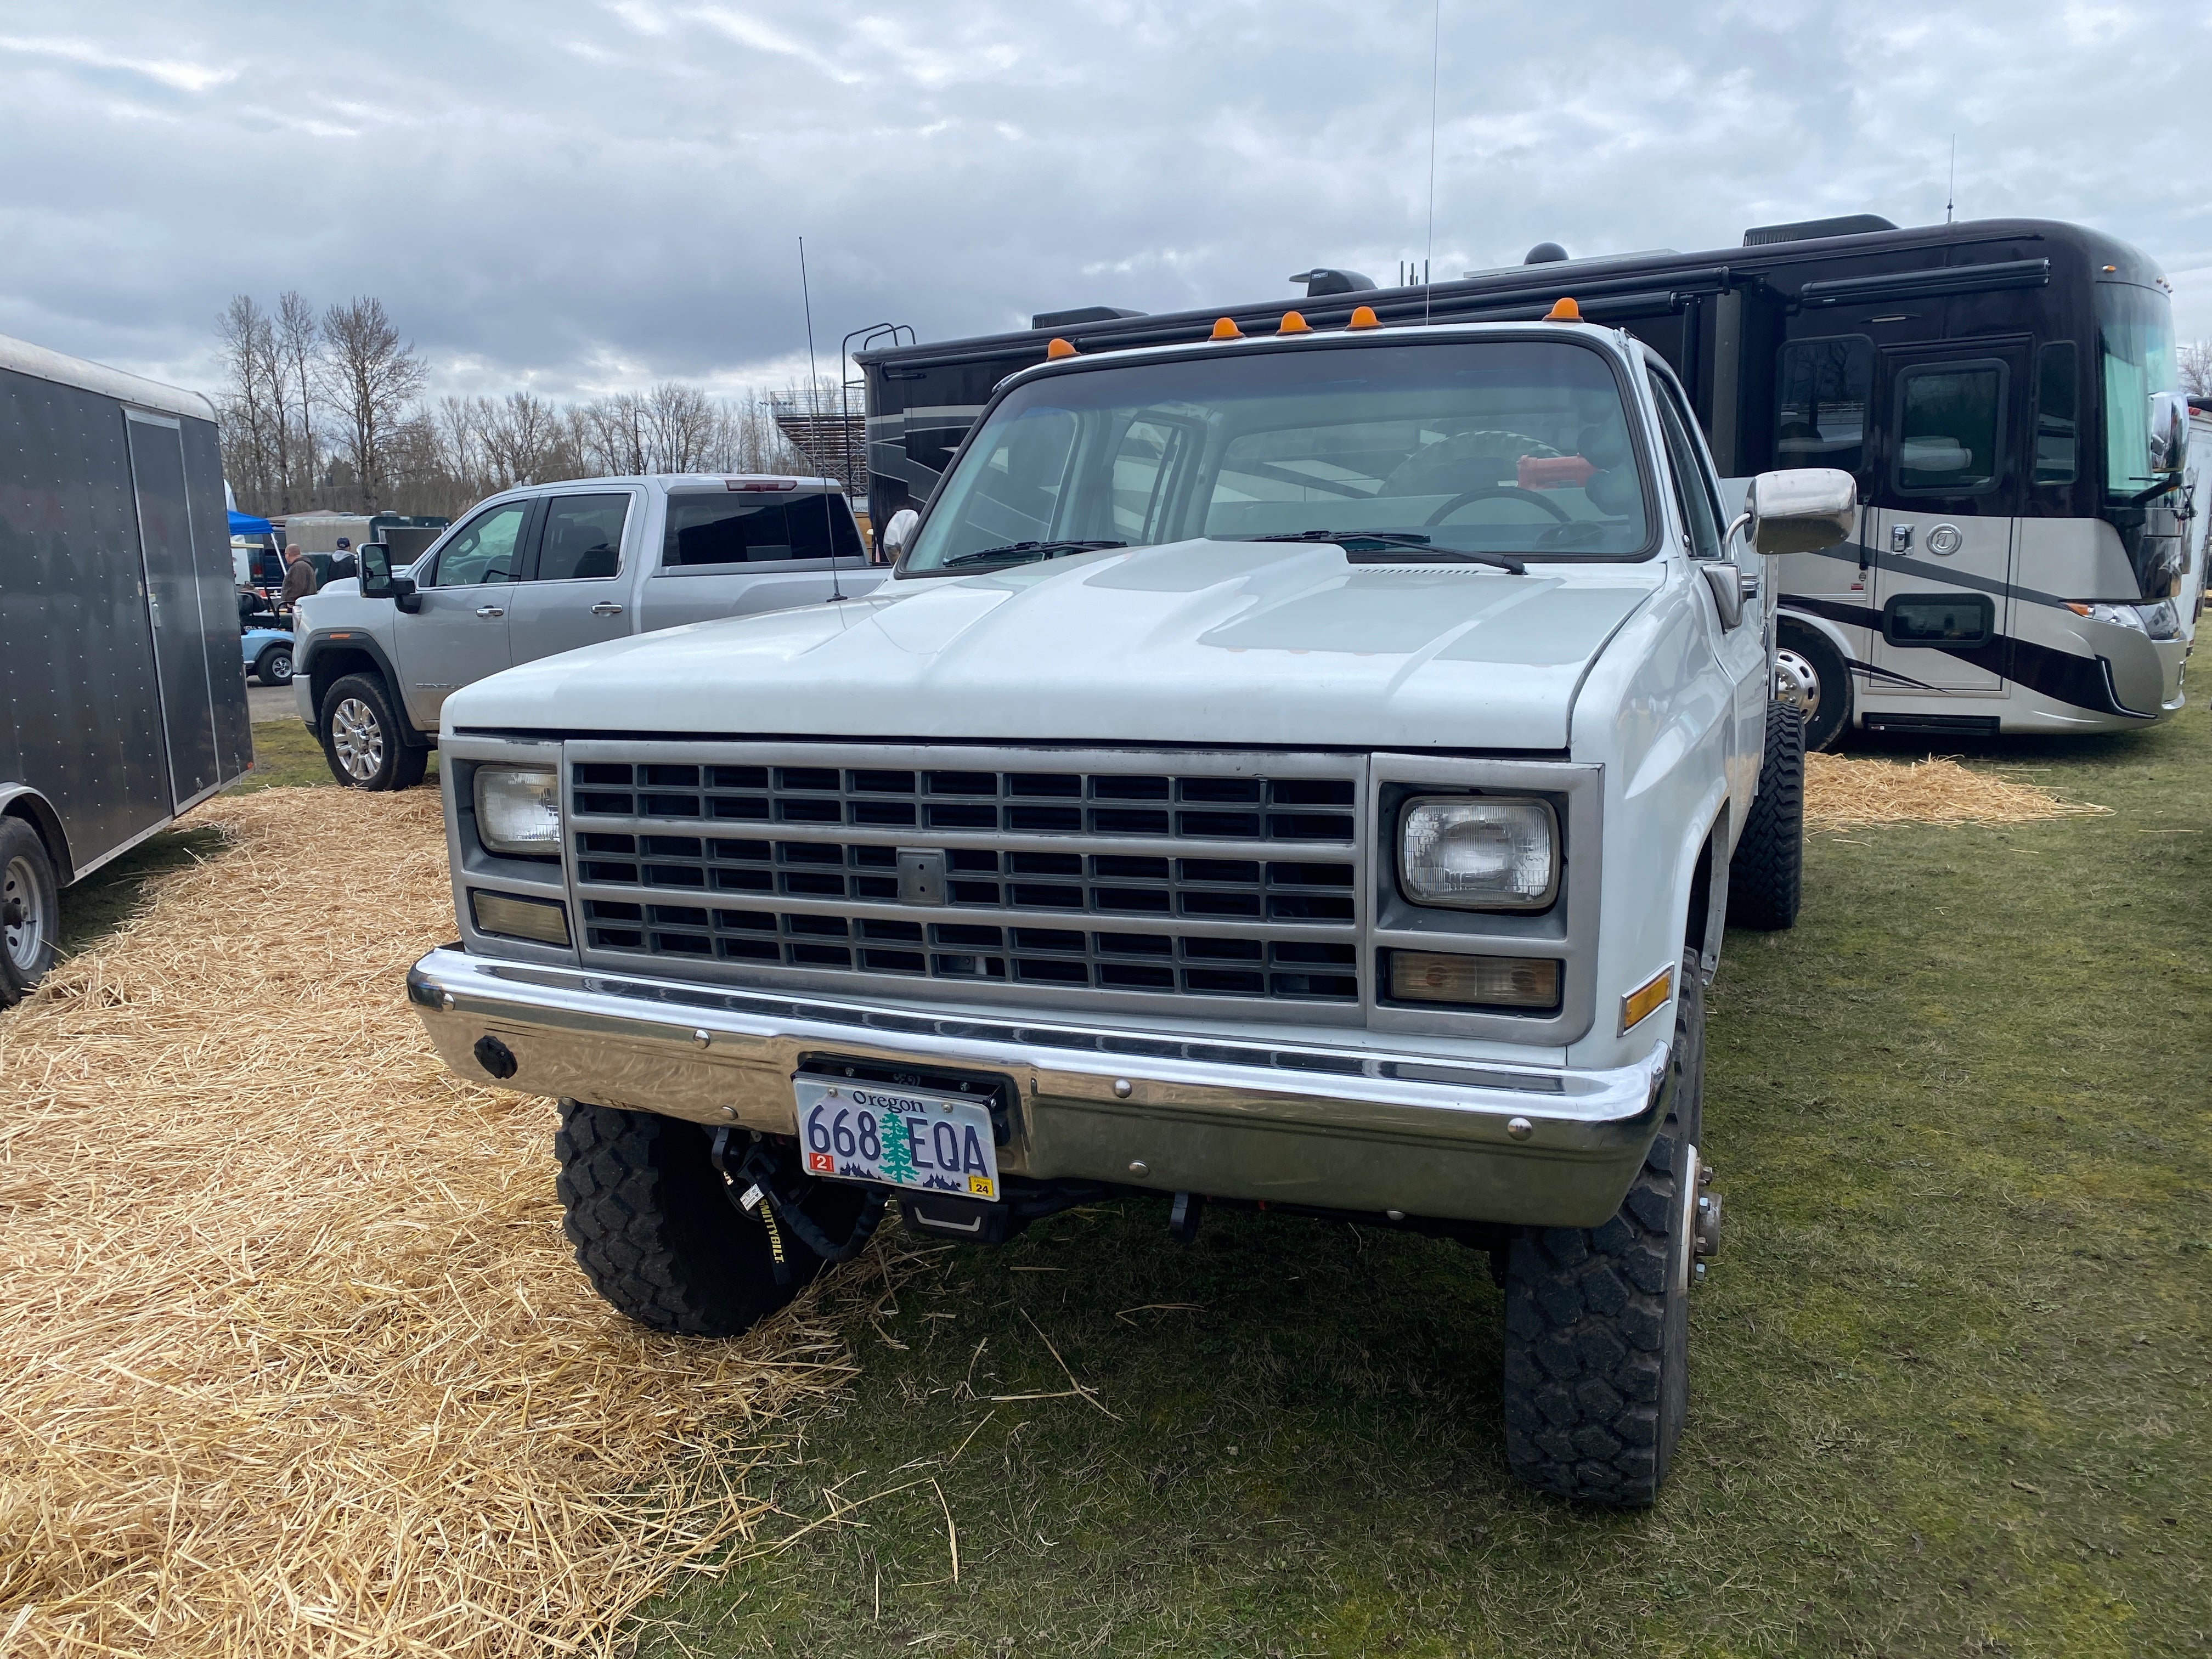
x: 519, y: 811
x: 1479, y: 852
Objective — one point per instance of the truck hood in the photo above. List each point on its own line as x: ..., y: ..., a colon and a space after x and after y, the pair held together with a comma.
x: 1201, y: 641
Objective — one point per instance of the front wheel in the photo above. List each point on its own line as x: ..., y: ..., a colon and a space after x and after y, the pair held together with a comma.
x: 274, y: 666
x: 30, y: 907
x: 1597, y: 1319
x: 1766, y: 874
x: 361, y: 738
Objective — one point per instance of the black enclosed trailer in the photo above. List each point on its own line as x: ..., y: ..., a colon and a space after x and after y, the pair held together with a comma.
x: 122, y: 694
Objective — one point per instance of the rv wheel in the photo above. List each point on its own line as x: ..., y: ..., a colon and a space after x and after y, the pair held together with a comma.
x: 30, y: 907
x: 1811, y: 672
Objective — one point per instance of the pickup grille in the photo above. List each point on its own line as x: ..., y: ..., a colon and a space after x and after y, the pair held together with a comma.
x: 1225, y: 878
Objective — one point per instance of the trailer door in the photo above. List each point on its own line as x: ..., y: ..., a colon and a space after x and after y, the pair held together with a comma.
x: 173, y: 600
x: 1944, y: 536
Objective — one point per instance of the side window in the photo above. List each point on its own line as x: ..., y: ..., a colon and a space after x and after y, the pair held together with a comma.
x: 1823, y: 387
x: 706, y: 529
x: 1939, y: 619
x: 1693, y: 491
x: 2058, y: 445
x: 582, y: 538
x: 1950, y: 421
x: 484, y: 550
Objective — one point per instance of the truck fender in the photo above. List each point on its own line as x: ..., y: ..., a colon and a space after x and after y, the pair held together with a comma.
x: 22, y: 801
x: 1705, y: 918
x: 328, y: 653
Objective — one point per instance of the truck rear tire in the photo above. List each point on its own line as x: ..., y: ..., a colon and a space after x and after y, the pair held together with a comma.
x: 362, y: 738
x: 1597, y: 1319
x: 1767, y: 876
x: 30, y: 907
x: 655, y: 1231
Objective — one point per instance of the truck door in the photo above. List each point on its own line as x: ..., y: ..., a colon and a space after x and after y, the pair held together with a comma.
x: 173, y: 603
x: 459, y: 635
x: 1943, y: 539
x: 731, y: 553
x: 576, y: 591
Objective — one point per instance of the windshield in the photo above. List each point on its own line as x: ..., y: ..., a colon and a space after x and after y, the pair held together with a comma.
x: 2134, y: 329
x: 1508, y: 447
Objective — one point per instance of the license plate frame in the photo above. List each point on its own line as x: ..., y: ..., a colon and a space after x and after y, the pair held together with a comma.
x: 839, y: 1117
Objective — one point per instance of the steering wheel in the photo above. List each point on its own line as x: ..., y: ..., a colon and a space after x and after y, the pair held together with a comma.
x: 1510, y: 492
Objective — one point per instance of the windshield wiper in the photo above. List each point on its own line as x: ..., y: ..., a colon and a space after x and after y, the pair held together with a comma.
x: 1419, y: 545
x: 1014, y: 552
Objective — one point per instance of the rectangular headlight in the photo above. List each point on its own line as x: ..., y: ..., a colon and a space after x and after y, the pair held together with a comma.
x: 546, y: 920
x: 519, y: 809
x: 1474, y: 982
x: 1479, y: 852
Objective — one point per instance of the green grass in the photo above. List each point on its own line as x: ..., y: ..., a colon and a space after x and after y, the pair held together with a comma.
x: 1950, y: 1377
x: 284, y: 753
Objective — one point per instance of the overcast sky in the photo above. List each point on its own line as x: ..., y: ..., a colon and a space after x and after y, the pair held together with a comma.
x: 580, y: 197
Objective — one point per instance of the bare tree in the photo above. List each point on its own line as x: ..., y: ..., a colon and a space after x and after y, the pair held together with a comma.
x: 371, y: 375
x: 2196, y: 368
x: 250, y: 410
x: 525, y: 438
x: 298, y: 341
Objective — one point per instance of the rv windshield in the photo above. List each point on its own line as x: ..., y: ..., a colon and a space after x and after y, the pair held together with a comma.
x: 2134, y: 326
x: 1515, y: 446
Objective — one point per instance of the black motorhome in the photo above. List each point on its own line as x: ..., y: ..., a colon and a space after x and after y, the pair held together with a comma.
x: 2004, y: 391
x: 119, y: 667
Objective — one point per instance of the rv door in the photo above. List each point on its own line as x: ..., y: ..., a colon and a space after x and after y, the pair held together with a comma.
x: 1944, y: 545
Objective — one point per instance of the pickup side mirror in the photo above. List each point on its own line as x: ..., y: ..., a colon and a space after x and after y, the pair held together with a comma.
x: 1800, y: 511
x: 898, y: 534
x: 377, y: 581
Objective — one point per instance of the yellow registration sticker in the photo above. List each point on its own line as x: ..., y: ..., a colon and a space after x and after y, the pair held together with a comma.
x: 979, y: 1187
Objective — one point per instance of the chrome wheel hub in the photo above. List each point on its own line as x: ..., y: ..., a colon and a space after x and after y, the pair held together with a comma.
x: 357, y: 736
x: 1796, y: 682
x: 22, y: 899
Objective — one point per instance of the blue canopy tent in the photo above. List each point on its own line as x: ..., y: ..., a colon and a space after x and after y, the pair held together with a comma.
x: 245, y: 524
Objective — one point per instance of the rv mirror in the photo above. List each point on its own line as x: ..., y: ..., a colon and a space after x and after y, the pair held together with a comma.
x: 2169, y: 432
x: 899, y: 532
x: 1801, y: 511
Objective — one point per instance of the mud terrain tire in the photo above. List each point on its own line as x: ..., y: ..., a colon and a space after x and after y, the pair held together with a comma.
x: 1767, y: 876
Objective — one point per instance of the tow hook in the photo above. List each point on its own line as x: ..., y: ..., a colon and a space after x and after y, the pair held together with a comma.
x: 1706, y: 1231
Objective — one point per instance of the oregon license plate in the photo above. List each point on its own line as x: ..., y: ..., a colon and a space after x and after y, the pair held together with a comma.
x: 903, y: 1137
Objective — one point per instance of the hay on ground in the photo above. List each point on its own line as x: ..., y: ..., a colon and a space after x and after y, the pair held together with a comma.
x: 295, y: 1360
x: 1843, y: 793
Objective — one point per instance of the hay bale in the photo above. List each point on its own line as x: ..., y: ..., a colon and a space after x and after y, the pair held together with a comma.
x: 1846, y: 792
x: 296, y: 1358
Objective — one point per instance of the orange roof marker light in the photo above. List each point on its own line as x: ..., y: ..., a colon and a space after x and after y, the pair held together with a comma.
x: 1225, y: 328
x: 1059, y: 348
x: 1563, y: 310
x: 1363, y: 317
x: 1294, y: 323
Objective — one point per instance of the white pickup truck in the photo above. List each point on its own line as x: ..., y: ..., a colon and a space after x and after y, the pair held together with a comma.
x: 535, y: 571
x: 1307, y: 773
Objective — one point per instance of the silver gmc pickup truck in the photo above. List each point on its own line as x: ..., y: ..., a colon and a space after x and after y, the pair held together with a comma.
x: 1309, y: 772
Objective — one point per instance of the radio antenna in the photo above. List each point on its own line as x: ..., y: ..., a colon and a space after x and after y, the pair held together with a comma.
x: 814, y: 400
x: 1951, y: 188
x: 1435, y: 38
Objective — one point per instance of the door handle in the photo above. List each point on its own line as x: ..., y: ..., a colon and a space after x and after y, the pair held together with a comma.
x: 491, y: 610
x: 606, y: 608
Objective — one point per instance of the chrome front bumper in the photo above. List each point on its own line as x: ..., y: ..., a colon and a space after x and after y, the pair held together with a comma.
x: 1337, y: 1127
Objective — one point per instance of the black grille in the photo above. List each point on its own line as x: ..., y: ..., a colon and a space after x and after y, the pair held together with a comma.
x: 1244, y: 886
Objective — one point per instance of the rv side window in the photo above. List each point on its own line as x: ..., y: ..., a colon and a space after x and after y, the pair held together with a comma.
x: 2058, y: 454
x: 1821, y: 405
x: 1939, y: 619
x: 1950, y: 426
x: 731, y: 529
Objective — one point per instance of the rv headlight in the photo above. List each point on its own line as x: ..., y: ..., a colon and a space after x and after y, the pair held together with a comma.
x: 1479, y: 852
x: 519, y: 809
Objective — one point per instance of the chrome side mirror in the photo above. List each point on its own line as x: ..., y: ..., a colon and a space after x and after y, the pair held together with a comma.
x: 1800, y: 511
x: 2169, y: 432
x: 898, y: 534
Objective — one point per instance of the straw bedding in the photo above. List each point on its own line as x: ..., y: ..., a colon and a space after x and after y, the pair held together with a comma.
x: 1843, y: 793
x: 295, y: 1360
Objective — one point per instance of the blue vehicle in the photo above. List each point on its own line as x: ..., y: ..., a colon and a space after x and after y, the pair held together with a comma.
x: 268, y: 654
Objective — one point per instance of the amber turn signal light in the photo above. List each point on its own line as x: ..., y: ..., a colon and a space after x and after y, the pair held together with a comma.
x: 1294, y: 323
x: 1647, y: 999
x: 1363, y: 317
x: 1059, y: 348
x: 1563, y: 310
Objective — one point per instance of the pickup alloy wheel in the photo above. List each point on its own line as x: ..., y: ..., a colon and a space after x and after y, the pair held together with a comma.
x: 1597, y: 1331
x: 361, y: 739
x: 659, y: 1234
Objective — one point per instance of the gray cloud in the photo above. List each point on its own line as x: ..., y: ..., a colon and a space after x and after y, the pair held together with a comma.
x: 579, y: 197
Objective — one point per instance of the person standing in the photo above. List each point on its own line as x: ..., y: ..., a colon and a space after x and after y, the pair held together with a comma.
x: 299, y: 577
x: 343, y: 564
